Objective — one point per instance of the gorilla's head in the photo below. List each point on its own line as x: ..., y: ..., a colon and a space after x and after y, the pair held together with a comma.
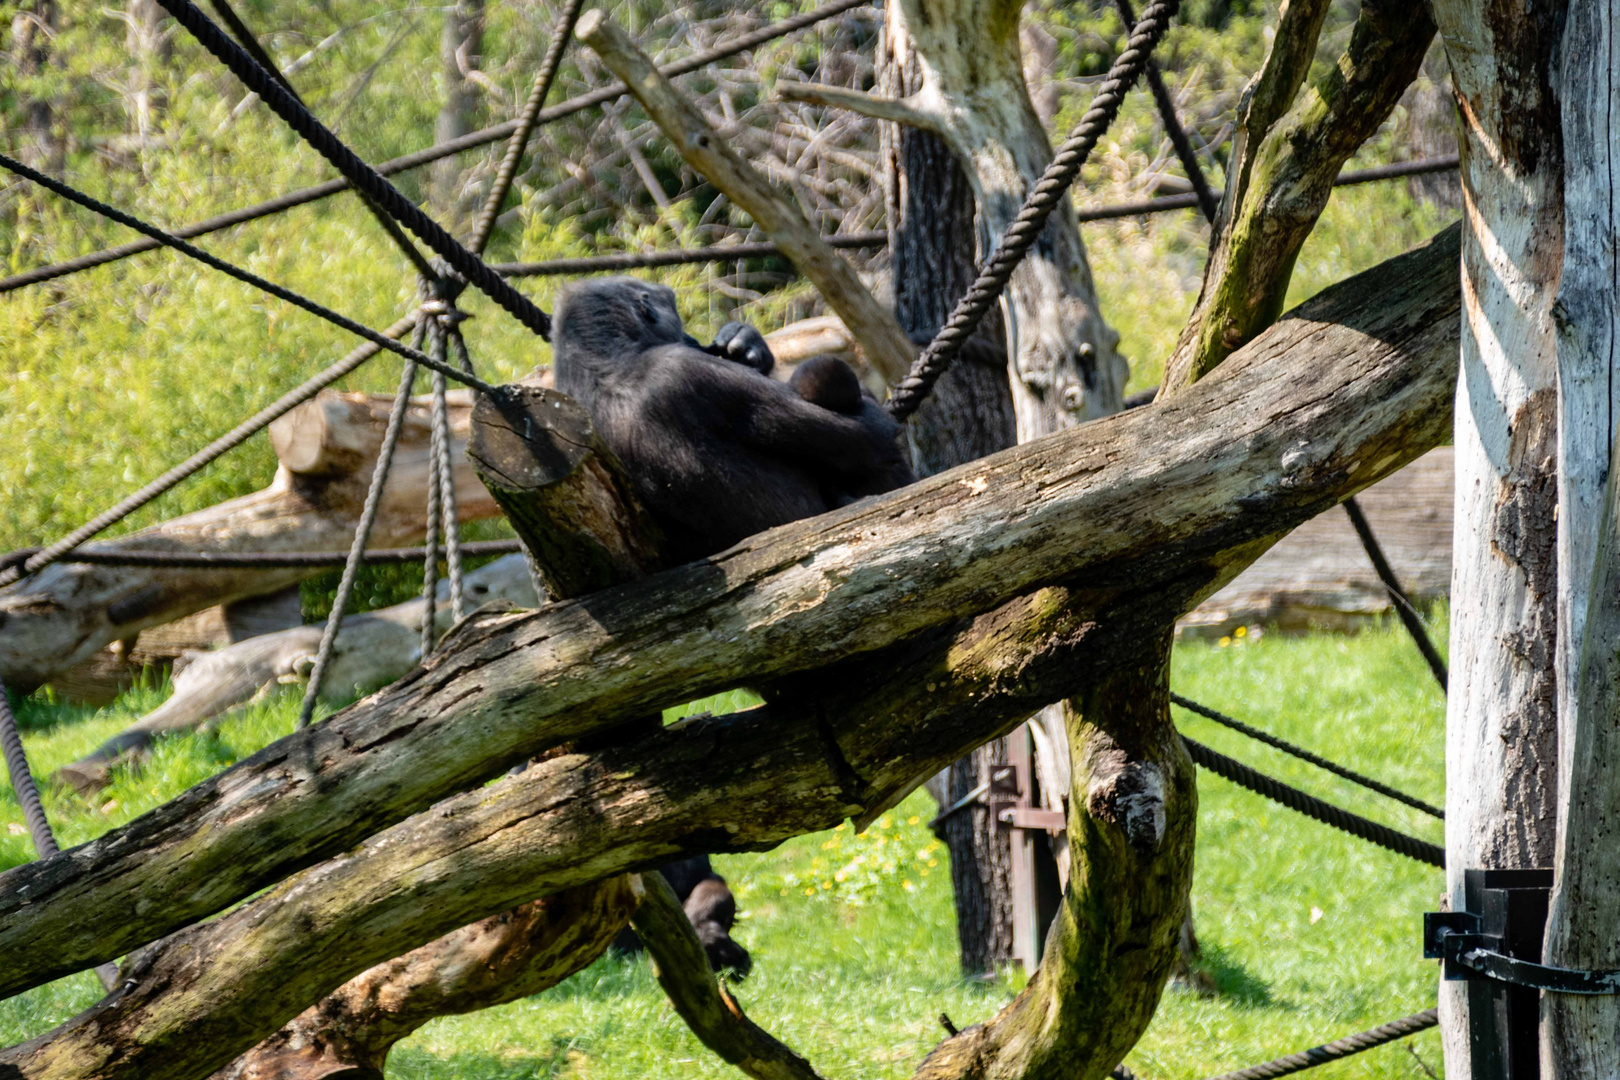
x: 613, y: 319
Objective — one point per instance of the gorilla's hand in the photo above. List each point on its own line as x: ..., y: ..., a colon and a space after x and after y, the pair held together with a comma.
x: 745, y: 345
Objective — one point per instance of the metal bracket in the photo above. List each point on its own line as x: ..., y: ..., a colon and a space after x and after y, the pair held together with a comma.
x: 1494, y: 945
x: 1026, y: 817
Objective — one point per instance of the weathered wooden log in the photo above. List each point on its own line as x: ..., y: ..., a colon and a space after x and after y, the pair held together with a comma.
x: 886, y: 346
x: 347, y: 1034
x: 682, y: 968
x: 538, y: 453
x: 68, y: 611
x: 561, y: 488
x: 740, y: 782
x: 1132, y: 500
x: 1318, y: 576
x: 373, y: 650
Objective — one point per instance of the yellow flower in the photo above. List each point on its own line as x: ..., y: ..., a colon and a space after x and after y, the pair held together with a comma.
x: 1242, y: 631
x: 1225, y: 641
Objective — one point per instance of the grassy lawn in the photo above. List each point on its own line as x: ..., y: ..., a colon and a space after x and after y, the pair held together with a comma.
x: 1309, y: 934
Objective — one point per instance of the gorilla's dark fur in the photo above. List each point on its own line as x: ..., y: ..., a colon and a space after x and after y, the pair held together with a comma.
x: 829, y: 382
x: 716, y: 451
x: 711, y: 909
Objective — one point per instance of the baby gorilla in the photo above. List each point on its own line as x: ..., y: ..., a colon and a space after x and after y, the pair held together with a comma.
x: 829, y: 382
x: 715, y: 451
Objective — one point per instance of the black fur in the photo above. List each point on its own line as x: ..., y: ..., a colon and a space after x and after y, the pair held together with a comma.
x: 710, y: 908
x: 829, y: 382
x: 716, y: 451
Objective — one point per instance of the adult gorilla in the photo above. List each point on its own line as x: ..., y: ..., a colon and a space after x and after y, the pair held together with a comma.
x: 716, y: 450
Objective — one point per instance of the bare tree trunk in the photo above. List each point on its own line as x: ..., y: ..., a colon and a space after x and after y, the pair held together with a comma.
x: 969, y: 415
x: 1581, y: 1035
x: 32, y: 26
x: 147, y: 39
x: 461, y: 45
x: 1501, y: 743
x: 1065, y: 359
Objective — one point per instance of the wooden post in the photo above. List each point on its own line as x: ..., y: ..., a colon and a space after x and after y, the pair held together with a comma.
x: 1583, y: 924
x: 1501, y: 738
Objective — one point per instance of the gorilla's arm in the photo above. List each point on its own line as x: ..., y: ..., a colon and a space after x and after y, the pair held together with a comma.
x: 768, y: 416
x: 739, y: 343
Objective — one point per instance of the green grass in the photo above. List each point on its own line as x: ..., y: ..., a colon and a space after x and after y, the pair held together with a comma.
x: 1309, y: 934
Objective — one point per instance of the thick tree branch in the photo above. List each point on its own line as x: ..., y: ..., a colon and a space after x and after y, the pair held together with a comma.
x: 490, y: 962
x: 1283, y: 169
x: 886, y: 346
x: 1127, y: 501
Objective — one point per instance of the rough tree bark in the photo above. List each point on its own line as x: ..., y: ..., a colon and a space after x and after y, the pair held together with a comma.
x: 1501, y: 741
x: 1286, y: 154
x: 570, y: 503
x: 347, y: 1034
x: 969, y: 415
x: 68, y: 611
x: 1297, y: 435
x: 1065, y: 358
x: 1581, y: 1035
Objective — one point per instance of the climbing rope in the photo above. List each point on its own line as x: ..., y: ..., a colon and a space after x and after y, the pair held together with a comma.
x: 1338, y: 1049
x: 1182, y: 145
x: 364, y: 178
x: 447, y: 481
x: 362, y: 533
x: 1305, y: 755
x: 253, y: 560
x: 112, y: 213
x: 1398, y: 599
x: 507, y: 171
x: 1038, y: 206
x: 1312, y: 807
x: 22, y: 783
x: 245, y: 37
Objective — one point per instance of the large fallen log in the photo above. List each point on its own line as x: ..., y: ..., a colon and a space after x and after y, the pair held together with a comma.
x: 67, y: 612
x: 1343, y: 391
x: 373, y: 650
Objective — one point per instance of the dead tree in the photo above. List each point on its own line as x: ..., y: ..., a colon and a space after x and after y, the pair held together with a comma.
x: 1064, y: 595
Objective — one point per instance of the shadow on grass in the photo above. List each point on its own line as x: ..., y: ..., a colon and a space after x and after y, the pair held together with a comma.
x: 1233, y: 982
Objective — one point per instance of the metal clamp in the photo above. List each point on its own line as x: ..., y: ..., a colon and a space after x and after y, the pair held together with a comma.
x: 1458, y: 939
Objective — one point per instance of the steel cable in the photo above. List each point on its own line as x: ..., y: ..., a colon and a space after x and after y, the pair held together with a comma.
x: 248, y: 41
x: 238, y: 435
x: 1305, y: 755
x: 252, y: 560
x: 364, y: 178
x: 1312, y: 807
x: 1038, y: 206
